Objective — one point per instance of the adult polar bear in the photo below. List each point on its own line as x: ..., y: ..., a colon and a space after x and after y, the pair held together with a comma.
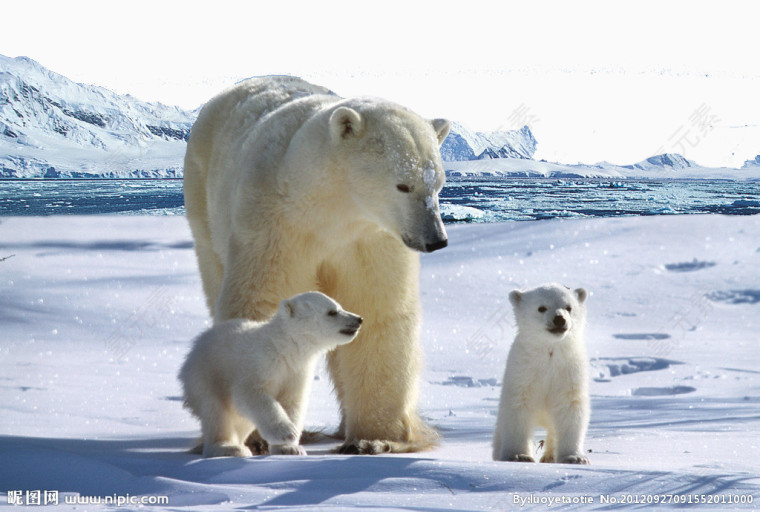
x: 290, y: 188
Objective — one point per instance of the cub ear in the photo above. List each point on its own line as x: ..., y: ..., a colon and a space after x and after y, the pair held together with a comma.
x: 582, y: 294
x: 288, y: 308
x: 441, y: 127
x: 345, y: 123
x: 514, y: 297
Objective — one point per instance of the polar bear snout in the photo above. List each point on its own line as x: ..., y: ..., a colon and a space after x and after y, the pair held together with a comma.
x: 352, y: 325
x: 436, y: 237
x: 433, y: 234
x: 434, y: 246
x: 559, y: 324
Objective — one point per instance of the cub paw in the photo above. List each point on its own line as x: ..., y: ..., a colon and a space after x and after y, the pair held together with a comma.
x: 226, y: 450
x: 284, y: 433
x: 287, y: 449
x: 547, y: 458
x: 575, y: 459
x: 520, y: 457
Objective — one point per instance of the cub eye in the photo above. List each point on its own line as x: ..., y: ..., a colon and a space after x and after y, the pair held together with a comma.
x: 403, y: 188
x: 569, y: 309
x: 332, y: 313
x: 542, y: 309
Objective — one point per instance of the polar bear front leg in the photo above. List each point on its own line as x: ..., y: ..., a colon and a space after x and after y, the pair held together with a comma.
x: 376, y: 376
x: 376, y: 379
x: 293, y: 400
x: 515, y: 428
x: 257, y: 276
x: 270, y: 418
x: 572, y: 422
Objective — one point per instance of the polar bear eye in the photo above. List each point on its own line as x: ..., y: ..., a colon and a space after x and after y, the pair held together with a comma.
x: 542, y: 309
x: 332, y: 313
x: 569, y: 309
x: 404, y: 188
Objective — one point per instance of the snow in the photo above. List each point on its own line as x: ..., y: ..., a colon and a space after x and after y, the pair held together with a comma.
x: 98, y: 313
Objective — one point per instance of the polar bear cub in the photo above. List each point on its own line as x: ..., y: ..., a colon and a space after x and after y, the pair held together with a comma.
x: 546, y: 378
x: 242, y: 374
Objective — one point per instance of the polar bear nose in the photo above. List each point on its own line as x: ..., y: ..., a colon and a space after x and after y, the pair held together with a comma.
x: 559, y: 321
x: 440, y: 244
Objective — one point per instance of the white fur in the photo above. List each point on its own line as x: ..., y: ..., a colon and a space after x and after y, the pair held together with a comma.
x: 546, y: 378
x: 242, y: 374
x: 290, y: 188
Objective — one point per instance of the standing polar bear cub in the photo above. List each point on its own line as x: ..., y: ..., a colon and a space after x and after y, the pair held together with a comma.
x: 546, y: 379
x: 242, y: 374
x: 289, y: 188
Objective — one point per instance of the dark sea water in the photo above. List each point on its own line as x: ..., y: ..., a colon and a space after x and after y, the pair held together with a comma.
x: 462, y: 199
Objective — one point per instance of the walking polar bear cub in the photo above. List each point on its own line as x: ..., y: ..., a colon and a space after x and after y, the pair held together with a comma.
x: 546, y: 379
x: 242, y: 374
x: 290, y: 188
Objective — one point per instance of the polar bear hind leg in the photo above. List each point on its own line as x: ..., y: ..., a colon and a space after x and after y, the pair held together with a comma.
x: 220, y: 431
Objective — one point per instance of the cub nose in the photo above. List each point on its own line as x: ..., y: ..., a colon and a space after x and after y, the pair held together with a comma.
x: 559, y: 321
x: 359, y: 320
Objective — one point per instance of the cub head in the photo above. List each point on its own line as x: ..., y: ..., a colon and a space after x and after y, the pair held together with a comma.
x: 392, y: 164
x: 315, y: 316
x: 553, y: 309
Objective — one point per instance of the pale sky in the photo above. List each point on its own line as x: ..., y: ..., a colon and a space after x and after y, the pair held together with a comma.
x: 605, y: 80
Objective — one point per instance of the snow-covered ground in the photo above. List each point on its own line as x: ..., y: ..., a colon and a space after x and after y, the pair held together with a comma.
x: 97, y: 313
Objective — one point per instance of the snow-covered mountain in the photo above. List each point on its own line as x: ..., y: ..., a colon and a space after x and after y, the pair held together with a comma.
x: 52, y: 127
x: 752, y: 163
x: 665, y: 166
x: 464, y: 144
x: 664, y: 161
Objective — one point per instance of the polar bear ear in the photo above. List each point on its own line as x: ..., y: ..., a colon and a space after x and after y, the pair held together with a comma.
x: 581, y: 293
x: 288, y: 308
x: 514, y: 297
x: 346, y: 123
x: 441, y: 127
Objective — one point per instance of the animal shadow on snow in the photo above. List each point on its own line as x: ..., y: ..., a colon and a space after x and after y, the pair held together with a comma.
x: 163, y: 467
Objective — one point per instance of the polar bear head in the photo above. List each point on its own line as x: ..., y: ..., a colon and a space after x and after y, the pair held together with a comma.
x: 315, y: 317
x: 552, y: 308
x: 393, y: 167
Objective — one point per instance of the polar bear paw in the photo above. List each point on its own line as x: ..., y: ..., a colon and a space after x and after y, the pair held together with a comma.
x: 283, y: 433
x: 575, y: 459
x: 520, y: 457
x: 226, y: 450
x: 365, y: 447
x: 286, y: 449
